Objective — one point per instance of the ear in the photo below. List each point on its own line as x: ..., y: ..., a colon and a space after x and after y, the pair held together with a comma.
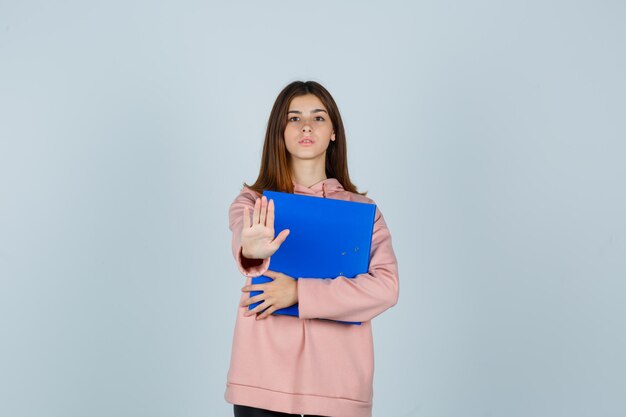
x: 332, y: 137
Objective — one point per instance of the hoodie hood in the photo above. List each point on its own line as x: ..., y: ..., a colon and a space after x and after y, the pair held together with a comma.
x: 323, y: 188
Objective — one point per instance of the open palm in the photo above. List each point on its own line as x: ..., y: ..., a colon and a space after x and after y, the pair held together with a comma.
x: 257, y: 238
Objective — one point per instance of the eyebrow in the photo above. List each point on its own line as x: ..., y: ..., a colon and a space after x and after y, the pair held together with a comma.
x: 312, y: 111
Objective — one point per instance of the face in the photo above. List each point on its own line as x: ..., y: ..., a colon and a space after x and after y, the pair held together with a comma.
x: 309, y: 129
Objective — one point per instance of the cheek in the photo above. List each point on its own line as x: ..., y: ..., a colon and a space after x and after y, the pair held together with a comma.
x: 291, y: 132
x: 326, y: 128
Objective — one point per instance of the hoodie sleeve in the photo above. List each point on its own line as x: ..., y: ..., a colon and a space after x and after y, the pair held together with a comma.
x: 360, y: 298
x: 248, y: 267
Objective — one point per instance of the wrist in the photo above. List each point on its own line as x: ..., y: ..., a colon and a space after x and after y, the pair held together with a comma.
x: 245, y: 255
x: 295, y: 295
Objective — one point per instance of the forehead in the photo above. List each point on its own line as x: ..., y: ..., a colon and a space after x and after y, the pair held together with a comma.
x: 306, y: 103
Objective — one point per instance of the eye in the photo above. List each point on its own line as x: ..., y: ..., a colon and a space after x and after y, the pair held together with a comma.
x: 291, y: 119
x: 320, y: 118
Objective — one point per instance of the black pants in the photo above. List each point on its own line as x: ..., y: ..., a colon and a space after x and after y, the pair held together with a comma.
x: 245, y: 411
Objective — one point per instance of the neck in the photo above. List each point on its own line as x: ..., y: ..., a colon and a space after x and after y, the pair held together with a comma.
x: 308, y: 172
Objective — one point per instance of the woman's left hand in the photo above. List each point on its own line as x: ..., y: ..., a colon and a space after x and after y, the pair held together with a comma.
x: 281, y: 292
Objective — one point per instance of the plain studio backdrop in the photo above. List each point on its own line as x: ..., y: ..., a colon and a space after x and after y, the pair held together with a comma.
x: 490, y: 133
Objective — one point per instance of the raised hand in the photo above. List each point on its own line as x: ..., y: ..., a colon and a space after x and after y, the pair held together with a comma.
x: 257, y: 239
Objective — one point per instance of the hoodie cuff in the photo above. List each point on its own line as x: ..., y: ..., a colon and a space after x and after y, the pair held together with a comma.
x: 252, y: 267
x: 309, y: 296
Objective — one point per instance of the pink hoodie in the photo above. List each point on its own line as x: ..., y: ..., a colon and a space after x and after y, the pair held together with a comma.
x: 303, y: 365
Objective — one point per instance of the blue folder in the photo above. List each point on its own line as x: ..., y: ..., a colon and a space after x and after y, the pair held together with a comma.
x: 328, y: 238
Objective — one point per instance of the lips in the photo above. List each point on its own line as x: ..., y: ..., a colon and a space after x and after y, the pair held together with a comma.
x: 306, y: 141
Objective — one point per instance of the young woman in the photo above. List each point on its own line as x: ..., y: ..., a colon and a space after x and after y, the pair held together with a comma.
x: 284, y: 365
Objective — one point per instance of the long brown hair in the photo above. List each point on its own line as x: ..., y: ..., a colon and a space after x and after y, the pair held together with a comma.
x: 274, y: 173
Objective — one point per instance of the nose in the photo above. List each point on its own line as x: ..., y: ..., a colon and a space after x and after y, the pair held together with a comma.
x: 306, y: 127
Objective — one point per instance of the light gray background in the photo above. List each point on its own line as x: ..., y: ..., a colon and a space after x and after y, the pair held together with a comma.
x: 490, y: 133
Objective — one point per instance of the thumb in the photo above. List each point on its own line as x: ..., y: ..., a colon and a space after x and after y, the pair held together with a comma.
x: 281, y: 237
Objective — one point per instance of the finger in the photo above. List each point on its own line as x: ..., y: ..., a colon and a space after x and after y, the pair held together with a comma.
x: 256, y: 309
x: 271, y: 275
x: 252, y: 300
x: 263, y: 210
x: 281, y: 238
x: 253, y: 287
x: 266, y: 313
x: 246, y: 218
x: 270, y: 214
x: 257, y: 210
